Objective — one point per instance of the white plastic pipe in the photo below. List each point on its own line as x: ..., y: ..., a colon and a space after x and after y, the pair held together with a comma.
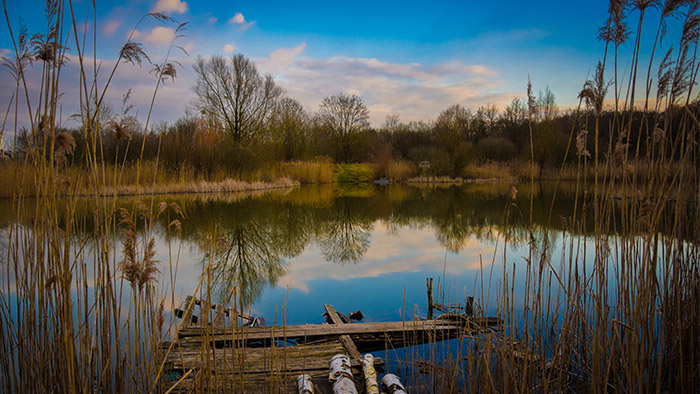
x: 304, y: 384
x: 392, y: 384
x: 340, y: 375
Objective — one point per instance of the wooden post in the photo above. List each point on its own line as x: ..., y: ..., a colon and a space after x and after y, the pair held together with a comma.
x: 429, y: 284
x: 469, y: 307
x: 392, y: 384
x: 341, y: 375
x: 189, y: 310
x: 219, y: 315
x: 345, y: 339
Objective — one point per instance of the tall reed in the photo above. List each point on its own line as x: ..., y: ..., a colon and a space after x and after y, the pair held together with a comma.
x: 65, y: 327
x: 619, y: 311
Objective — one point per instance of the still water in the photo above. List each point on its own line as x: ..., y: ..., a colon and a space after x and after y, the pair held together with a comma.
x: 286, y: 253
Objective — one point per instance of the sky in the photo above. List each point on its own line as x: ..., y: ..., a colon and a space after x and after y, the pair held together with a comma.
x: 408, y: 58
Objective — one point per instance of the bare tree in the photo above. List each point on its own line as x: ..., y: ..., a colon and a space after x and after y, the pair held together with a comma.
x: 345, y: 116
x: 288, y: 125
x: 234, y: 95
x: 451, y: 131
x: 515, y: 113
x: 547, y: 104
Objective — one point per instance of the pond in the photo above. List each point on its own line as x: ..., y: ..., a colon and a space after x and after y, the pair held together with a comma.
x: 286, y: 253
x: 282, y: 254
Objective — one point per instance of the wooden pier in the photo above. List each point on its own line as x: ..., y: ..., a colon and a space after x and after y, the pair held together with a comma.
x: 223, y: 351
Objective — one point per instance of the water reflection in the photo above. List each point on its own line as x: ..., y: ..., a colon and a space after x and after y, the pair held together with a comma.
x: 307, y: 237
x: 245, y: 262
x: 345, y: 237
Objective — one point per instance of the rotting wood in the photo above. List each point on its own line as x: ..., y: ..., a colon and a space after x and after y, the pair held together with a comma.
x: 219, y: 315
x: 345, y: 339
x: 204, y: 312
x: 300, y: 357
x: 314, y: 331
x: 240, y: 357
x: 189, y: 311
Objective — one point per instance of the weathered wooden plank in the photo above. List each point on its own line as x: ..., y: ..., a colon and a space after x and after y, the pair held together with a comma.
x: 204, y: 312
x: 311, y: 331
x: 302, y: 357
x: 345, y: 339
x: 189, y: 310
x: 219, y: 315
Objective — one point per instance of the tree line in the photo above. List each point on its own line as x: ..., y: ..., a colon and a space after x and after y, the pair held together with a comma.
x: 241, y: 121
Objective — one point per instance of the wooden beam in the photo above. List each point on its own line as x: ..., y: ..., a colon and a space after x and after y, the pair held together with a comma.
x: 219, y: 315
x: 311, y: 331
x: 345, y: 339
x: 189, y: 310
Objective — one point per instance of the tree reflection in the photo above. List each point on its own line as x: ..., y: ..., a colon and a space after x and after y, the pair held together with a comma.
x: 292, y: 230
x: 457, y: 218
x: 345, y: 238
x: 246, y: 261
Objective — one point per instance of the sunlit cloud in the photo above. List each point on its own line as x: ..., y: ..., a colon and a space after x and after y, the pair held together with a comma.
x: 189, y: 47
x: 212, y: 20
x: 229, y: 48
x: 158, y: 35
x: 111, y: 27
x: 170, y: 6
x: 239, y: 19
x: 388, y: 255
x: 284, y: 55
x: 412, y: 90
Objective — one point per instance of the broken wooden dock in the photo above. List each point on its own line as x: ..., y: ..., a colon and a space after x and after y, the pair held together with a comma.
x: 227, y: 351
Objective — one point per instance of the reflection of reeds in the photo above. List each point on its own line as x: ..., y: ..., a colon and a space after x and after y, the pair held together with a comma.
x: 68, y: 322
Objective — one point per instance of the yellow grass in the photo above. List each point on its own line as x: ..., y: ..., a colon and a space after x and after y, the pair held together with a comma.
x: 488, y: 171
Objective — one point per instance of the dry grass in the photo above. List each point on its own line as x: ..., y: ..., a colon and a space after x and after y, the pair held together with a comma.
x: 489, y: 171
x: 444, y: 180
x: 225, y: 186
x: 318, y: 171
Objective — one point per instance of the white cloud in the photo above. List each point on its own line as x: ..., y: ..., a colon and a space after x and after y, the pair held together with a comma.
x: 111, y: 27
x: 388, y: 255
x: 189, y: 47
x: 212, y: 20
x: 229, y: 48
x: 4, y: 51
x: 412, y: 90
x: 239, y: 20
x: 285, y: 55
x: 169, y: 6
x: 158, y: 35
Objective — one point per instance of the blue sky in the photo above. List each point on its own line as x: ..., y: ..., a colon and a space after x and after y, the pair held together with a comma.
x: 403, y: 57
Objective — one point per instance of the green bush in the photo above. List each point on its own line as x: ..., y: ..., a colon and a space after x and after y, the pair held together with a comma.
x: 353, y: 173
